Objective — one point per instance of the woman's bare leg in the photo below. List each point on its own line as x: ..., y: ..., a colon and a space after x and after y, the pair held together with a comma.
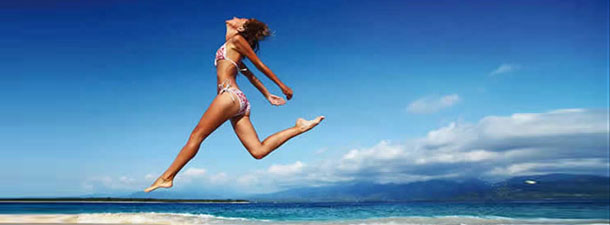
x: 219, y: 111
x: 248, y: 137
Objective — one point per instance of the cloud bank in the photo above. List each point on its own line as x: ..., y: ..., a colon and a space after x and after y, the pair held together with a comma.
x: 495, y: 147
x: 504, y: 68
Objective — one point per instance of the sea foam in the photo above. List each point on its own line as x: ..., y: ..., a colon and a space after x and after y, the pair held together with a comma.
x: 186, y: 218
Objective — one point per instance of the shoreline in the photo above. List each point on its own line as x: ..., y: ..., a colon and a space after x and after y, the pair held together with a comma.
x: 71, y: 223
x: 120, y: 202
x: 180, y: 218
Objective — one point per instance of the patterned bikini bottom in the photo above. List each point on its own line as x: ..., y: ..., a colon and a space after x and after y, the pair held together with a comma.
x: 244, y: 104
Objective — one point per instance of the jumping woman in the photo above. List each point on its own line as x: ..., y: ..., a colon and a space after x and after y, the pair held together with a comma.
x: 230, y: 103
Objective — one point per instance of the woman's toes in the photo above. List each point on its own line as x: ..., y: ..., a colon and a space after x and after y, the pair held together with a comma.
x: 319, y: 119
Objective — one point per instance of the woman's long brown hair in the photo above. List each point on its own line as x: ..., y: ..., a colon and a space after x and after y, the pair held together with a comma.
x: 255, y: 31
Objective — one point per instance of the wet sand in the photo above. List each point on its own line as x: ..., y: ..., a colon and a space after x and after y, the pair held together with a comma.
x: 62, y: 223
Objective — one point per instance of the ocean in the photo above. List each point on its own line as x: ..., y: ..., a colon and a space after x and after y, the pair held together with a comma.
x: 309, y: 213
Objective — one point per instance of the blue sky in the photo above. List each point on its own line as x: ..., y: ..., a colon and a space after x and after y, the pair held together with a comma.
x: 99, y: 97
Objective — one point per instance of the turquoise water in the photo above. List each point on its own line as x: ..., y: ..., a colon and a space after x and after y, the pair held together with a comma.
x: 293, y: 213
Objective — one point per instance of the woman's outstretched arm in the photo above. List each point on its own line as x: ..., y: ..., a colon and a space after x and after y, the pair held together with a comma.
x: 242, y: 46
x: 255, y: 81
x: 274, y: 100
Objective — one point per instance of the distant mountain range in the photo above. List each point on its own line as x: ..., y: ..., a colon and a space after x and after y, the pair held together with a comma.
x: 551, y: 187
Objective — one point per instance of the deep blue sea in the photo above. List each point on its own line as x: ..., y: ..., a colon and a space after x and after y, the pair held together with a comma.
x: 309, y: 213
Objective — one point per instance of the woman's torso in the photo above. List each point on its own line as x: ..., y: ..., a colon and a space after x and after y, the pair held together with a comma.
x: 226, y: 62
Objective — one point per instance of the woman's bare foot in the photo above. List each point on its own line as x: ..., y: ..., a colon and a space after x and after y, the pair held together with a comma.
x: 160, y: 183
x: 305, y: 125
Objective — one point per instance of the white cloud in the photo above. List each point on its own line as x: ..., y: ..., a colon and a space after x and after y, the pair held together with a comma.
x: 562, y: 165
x: 219, y: 178
x: 505, y: 68
x: 194, y: 172
x: 247, y: 179
x: 193, y: 176
x: 321, y: 150
x: 284, y: 170
x: 127, y: 180
x: 432, y: 104
x: 104, y: 183
x: 150, y: 177
x: 557, y: 122
x: 274, y: 177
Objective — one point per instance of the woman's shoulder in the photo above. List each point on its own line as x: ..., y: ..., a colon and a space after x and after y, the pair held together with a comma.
x: 236, y: 37
x: 237, y: 40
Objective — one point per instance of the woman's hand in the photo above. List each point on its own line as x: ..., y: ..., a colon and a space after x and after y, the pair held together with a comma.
x: 276, y: 100
x: 288, y: 92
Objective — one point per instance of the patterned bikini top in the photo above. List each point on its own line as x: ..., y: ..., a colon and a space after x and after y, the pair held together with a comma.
x: 221, y: 54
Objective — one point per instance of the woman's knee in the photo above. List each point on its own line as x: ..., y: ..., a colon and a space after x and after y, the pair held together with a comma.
x: 194, y: 142
x: 258, y: 156
x: 257, y: 152
x: 198, y: 134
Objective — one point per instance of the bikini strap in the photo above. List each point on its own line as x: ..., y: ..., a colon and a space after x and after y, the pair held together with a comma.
x: 224, y: 55
x: 226, y: 86
x: 236, y: 66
